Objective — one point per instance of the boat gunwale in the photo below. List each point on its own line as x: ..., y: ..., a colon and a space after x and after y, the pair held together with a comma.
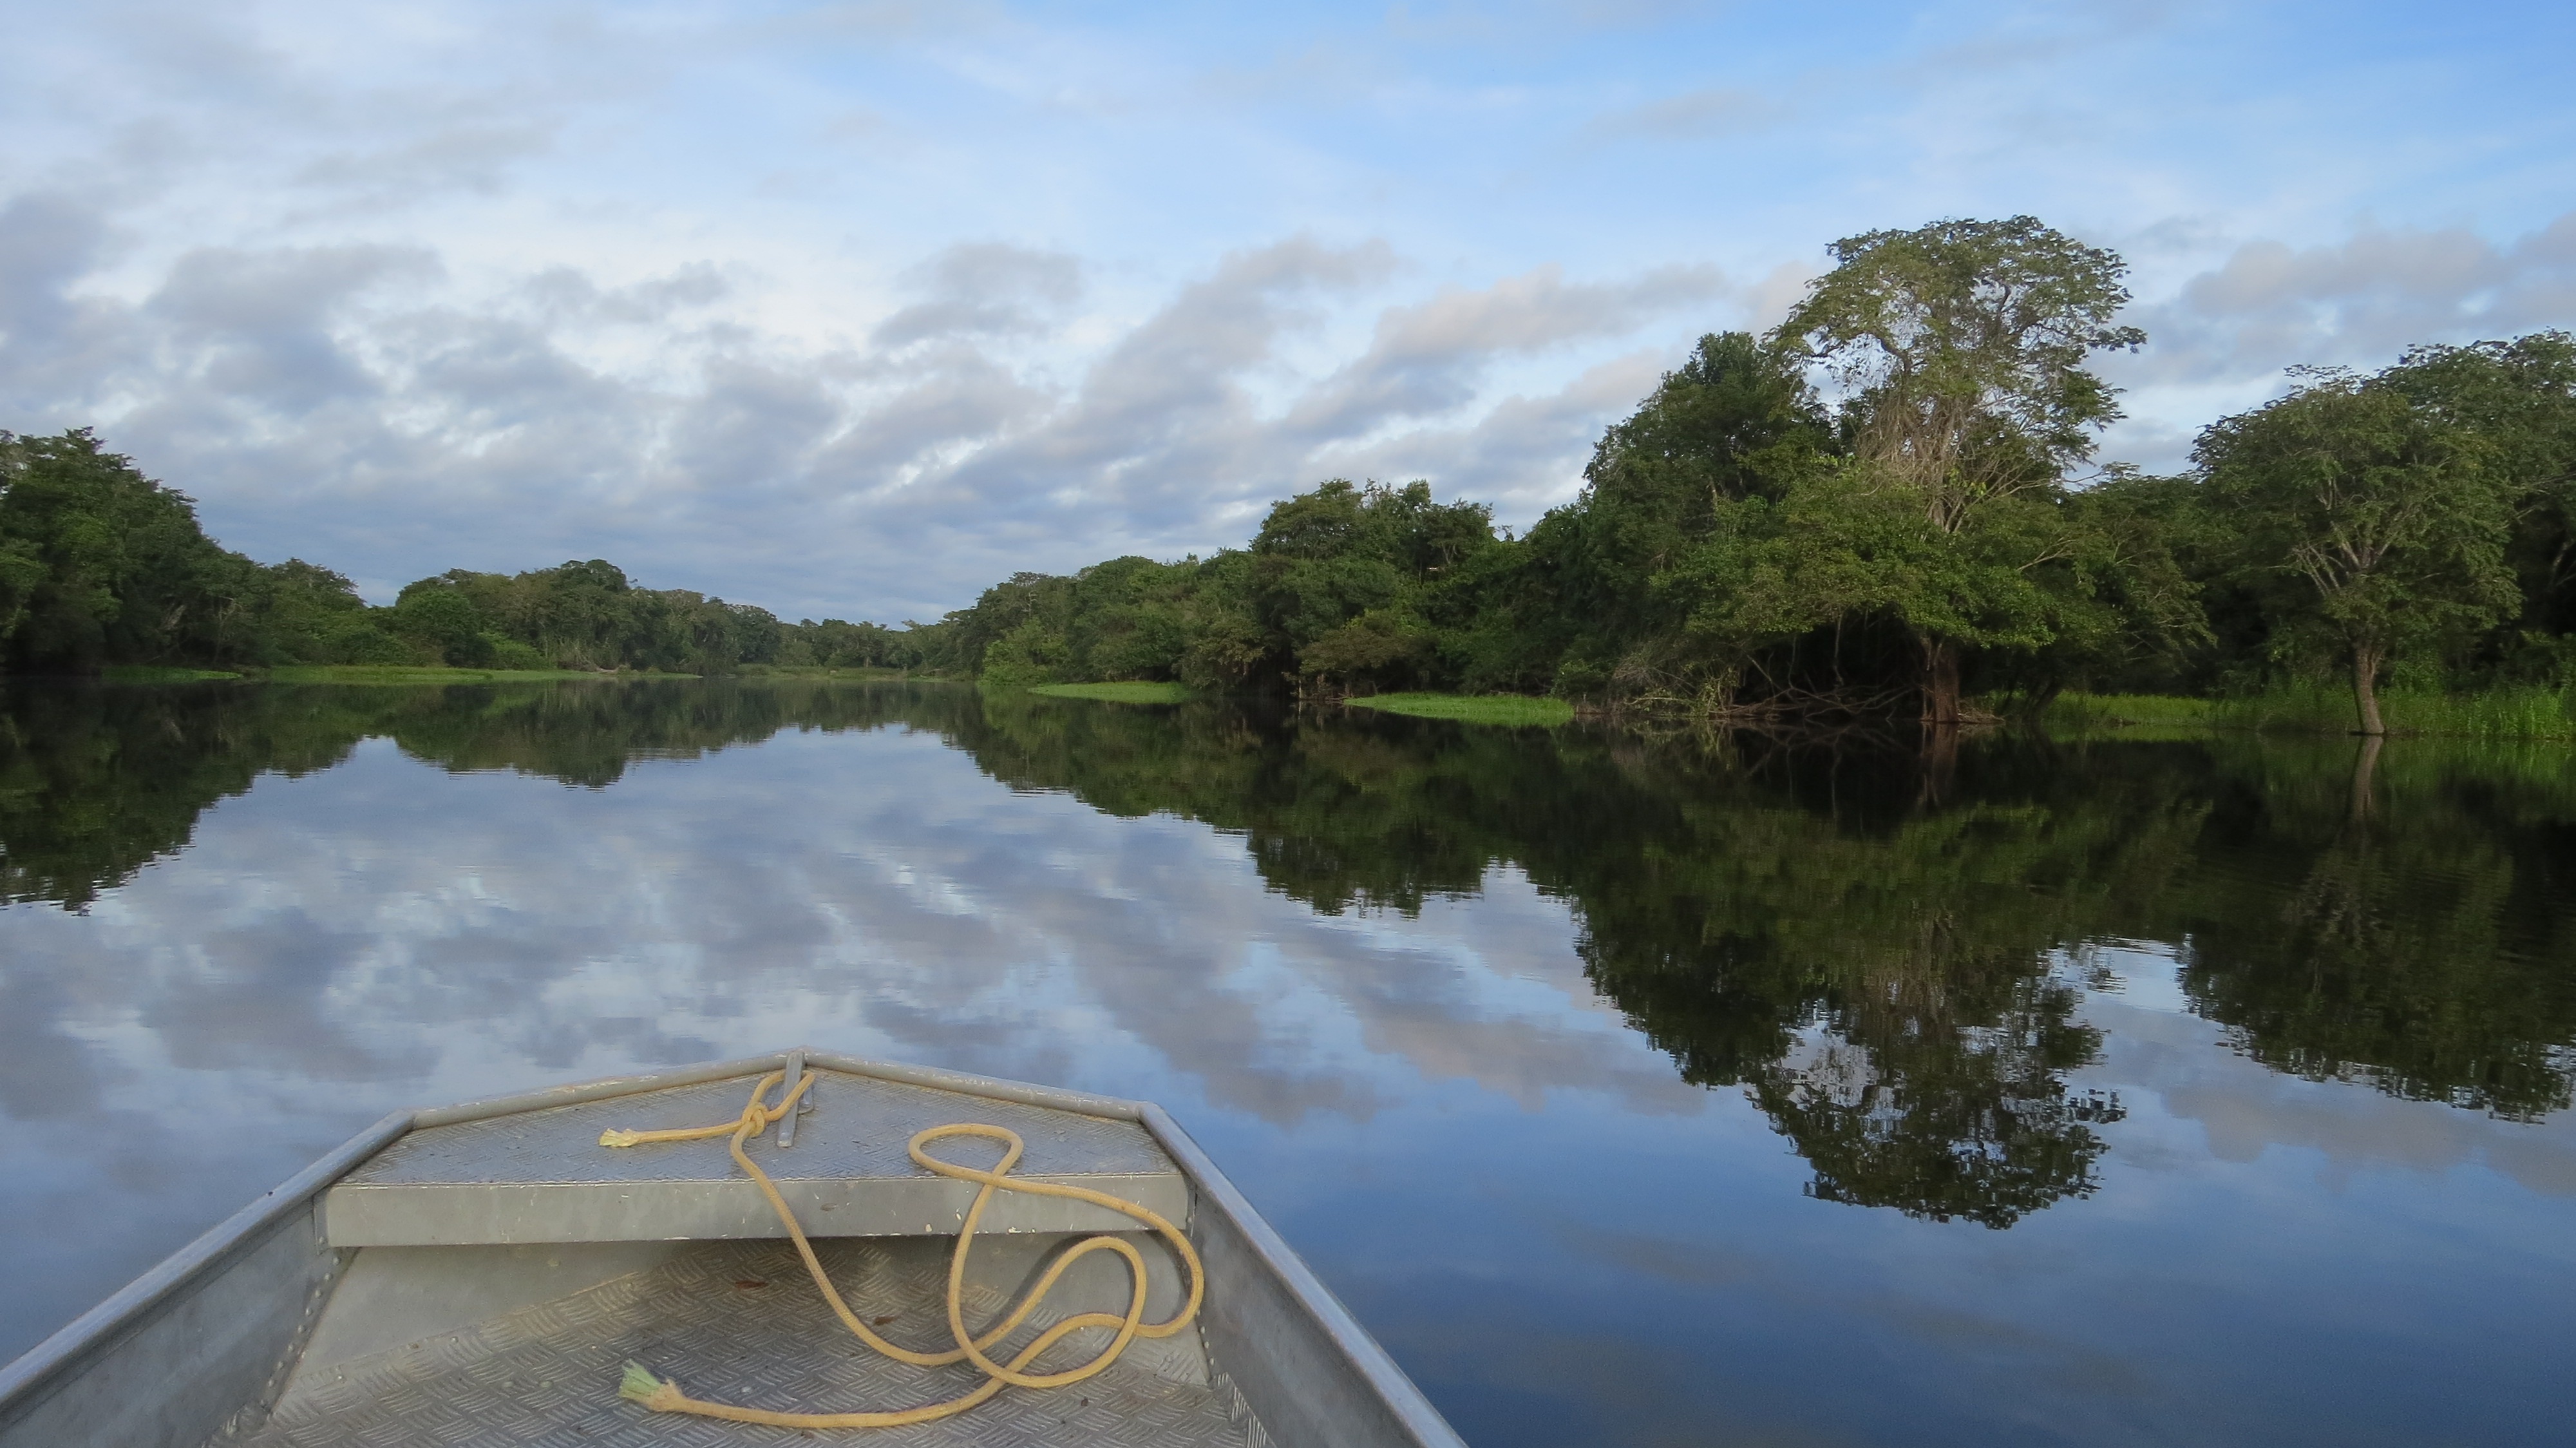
x: 127, y: 1307
x: 30, y: 1377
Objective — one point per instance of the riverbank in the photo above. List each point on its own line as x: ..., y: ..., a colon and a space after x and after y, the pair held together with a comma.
x: 2527, y: 713
x: 446, y: 674
x: 1510, y: 710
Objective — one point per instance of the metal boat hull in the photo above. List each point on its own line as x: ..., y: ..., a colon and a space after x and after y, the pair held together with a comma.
x: 463, y: 1275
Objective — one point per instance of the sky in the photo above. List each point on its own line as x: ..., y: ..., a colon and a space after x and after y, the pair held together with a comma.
x: 850, y: 310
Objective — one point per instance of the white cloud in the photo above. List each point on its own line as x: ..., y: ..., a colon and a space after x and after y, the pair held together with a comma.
x: 2221, y: 341
x: 363, y: 405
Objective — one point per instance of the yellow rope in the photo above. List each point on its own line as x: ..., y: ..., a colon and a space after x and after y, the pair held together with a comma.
x: 664, y: 1396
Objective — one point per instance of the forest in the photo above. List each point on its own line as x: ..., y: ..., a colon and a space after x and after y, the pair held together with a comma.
x: 1887, y: 507
x: 101, y: 566
x: 1890, y: 506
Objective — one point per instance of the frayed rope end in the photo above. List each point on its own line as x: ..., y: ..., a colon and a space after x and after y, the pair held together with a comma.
x: 640, y: 1385
x: 617, y: 1137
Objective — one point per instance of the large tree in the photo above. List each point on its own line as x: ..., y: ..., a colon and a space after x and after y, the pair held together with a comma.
x: 1959, y: 351
x: 1733, y: 422
x: 2518, y: 397
x: 2370, y: 523
x: 102, y: 565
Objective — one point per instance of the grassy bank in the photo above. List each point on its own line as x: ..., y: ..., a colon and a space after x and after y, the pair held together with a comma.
x: 1471, y: 708
x: 818, y: 671
x: 2529, y: 713
x: 390, y: 674
x: 149, y: 674
x: 1126, y: 693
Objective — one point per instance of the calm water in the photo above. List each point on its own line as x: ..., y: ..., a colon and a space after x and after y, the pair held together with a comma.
x: 1630, y: 1091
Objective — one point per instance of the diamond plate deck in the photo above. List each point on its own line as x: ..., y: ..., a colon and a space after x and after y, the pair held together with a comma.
x: 739, y: 1323
x: 541, y: 1176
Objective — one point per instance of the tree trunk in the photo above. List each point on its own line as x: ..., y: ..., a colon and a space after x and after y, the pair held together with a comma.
x: 1940, y: 768
x: 1940, y: 683
x: 2365, y: 687
x: 2365, y: 770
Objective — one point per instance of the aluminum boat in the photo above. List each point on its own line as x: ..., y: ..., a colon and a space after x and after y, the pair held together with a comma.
x: 495, y: 1272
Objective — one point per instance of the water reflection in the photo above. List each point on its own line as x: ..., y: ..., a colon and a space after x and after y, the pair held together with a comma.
x: 2411, y: 928
x: 1380, y: 962
x: 1874, y: 946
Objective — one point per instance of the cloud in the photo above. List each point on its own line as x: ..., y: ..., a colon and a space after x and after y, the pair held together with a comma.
x: 2360, y: 300
x: 1691, y: 116
x: 1524, y: 453
x: 1426, y: 358
x: 2221, y: 340
x: 983, y: 289
x: 564, y: 294
x: 1163, y: 420
x: 260, y: 323
x: 392, y: 412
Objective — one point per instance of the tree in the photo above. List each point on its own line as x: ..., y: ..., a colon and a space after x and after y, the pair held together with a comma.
x: 1959, y: 349
x: 2519, y: 398
x: 1733, y: 422
x: 444, y: 617
x: 102, y: 565
x: 1340, y: 576
x: 2370, y: 514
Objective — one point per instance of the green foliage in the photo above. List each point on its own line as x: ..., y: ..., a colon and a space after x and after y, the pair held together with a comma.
x: 1607, y: 599
x: 1344, y: 587
x: 2081, y: 713
x: 2371, y: 526
x: 1961, y: 347
x: 1960, y: 351
x: 101, y: 565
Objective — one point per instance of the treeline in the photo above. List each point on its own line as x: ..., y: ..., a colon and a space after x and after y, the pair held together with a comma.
x: 101, y: 566
x: 1888, y: 505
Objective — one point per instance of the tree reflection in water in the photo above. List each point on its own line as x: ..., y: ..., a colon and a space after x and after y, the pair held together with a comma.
x: 1885, y: 949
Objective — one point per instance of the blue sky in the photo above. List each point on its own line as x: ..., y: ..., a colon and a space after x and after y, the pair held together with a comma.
x: 852, y: 309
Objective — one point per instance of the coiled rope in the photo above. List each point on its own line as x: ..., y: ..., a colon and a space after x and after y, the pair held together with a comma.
x: 664, y: 1396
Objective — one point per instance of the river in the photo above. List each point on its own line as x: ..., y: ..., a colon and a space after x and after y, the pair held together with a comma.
x: 1632, y: 1090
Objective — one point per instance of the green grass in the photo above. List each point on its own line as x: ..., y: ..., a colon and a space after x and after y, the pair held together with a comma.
x: 820, y: 671
x: 1126, y: 693
x: 405, y: 674
x: 2316, y: 708
x: 2151, y: 713
x: 151, y: 674
x: 1471, y: 708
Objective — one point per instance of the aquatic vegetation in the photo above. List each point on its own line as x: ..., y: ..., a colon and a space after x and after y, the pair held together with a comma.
x: 1514, y: 709
x: 2527, y: 712
x: 1125, y: 692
